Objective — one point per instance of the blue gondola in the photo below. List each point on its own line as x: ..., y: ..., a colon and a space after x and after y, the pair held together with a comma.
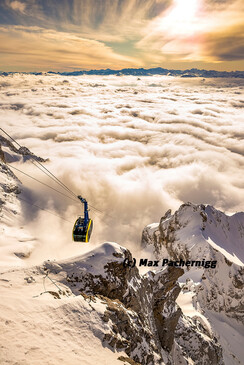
x: 83, y: 226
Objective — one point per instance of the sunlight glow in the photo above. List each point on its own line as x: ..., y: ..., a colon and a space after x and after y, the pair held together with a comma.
x: 184, y: 9
x: 183, y: 18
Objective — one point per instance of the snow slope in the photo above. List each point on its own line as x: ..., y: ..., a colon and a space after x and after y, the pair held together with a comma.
x: 36, y: 328
x: 16, y: 241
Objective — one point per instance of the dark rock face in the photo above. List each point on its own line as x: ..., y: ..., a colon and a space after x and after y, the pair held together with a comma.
x: 166, y: 313
x: 130, y: 332
x: 10, y: 185
x: 2, y: 158
x: 223, y: 294
x: 197, y: 343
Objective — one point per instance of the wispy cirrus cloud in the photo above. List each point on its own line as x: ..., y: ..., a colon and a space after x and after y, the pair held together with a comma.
x: 198, y: 31
x: 132, y: 33
x: 37, y: 46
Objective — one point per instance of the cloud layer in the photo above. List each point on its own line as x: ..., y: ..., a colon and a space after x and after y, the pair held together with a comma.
x: 134, y: 147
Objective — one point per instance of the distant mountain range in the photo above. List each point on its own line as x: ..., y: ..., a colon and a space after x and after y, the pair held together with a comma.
x: 194, y: 72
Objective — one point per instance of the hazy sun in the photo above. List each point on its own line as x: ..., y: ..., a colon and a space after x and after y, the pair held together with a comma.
x: 184, y: 9
x: 182, y: 18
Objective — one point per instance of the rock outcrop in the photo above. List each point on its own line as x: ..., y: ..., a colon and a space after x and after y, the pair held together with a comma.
x: 198, y: 345
x: 141, y: 310
x: 22, y: 151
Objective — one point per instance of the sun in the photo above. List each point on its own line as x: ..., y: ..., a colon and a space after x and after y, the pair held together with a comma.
x: 184, y: 9
x: 182, y: 18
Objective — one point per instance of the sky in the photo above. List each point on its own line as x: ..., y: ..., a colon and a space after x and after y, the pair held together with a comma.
x: 133, y: 147
x: 67, y: 35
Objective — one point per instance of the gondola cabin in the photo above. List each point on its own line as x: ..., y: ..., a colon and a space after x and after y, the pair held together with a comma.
x: 81, y: 231
x: 83, y: 225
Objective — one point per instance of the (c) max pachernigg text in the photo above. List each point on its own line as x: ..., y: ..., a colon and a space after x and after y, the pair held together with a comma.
x: 165, y: 262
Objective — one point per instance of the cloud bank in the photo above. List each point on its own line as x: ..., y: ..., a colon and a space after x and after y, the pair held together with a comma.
x: 134, y: 147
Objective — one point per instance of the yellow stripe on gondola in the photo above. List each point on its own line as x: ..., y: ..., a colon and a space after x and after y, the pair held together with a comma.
x: 89, y: 224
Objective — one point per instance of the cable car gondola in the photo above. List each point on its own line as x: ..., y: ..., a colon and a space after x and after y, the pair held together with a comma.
x: 83, y: 226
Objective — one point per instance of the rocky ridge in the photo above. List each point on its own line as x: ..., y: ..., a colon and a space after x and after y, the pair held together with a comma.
x: 201, y: 232
x: 141, y: 312
x: 10, y: 152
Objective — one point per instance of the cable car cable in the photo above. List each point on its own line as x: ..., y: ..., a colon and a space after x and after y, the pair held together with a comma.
x: 55, y: 180
x: 53, y: 177
x: 50, y: 187
x: 48, y: 211
x: 10, y: 137
x: 41, y: 182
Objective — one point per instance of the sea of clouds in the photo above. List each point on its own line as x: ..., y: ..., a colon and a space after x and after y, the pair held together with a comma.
x: 134, y: 147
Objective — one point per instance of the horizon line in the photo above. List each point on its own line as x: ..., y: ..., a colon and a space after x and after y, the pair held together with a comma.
x: 122, y: 69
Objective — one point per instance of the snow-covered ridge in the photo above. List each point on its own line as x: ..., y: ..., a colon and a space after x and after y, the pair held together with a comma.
x: 95, y: 297
x: 195, y: 232
x: 9, y: 153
